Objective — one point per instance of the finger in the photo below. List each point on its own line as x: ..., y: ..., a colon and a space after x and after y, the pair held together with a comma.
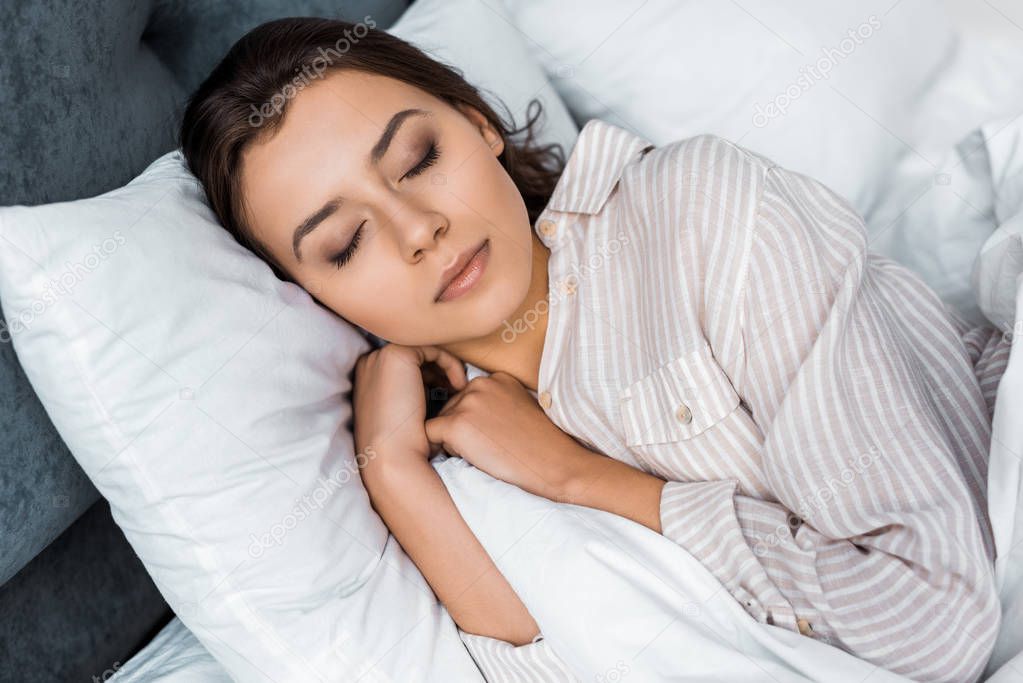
x: 446, y: 361
x: 506, y: 378
x: 452, y: 403
x: 435, y: 430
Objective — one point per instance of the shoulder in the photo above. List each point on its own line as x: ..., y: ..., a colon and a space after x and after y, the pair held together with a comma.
x: 690, y: 176
x: 708, y: 154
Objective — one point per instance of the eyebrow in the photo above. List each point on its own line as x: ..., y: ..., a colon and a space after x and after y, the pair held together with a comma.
x: 375, y: 155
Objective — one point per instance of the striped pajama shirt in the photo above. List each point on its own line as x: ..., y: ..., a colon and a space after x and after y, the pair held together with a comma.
x: 821, y: 419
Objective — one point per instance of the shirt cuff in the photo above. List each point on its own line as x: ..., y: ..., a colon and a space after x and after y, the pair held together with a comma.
x: 502, y: 662
x: 703, y: 518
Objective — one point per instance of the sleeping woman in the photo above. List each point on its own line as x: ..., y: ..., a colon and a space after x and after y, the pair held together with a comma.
x: 688, y: 336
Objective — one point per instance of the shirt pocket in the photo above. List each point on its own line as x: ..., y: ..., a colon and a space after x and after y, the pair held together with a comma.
x: 677, y: 401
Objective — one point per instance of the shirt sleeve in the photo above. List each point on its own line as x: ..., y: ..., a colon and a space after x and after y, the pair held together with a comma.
x: 874, y: 446
x: 502, y: 662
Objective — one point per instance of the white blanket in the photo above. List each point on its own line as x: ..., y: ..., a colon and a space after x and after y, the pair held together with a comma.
x: 611, y: 595
x: 614, y: 598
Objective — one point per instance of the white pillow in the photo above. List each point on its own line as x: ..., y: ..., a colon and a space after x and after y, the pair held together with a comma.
x: 208, y: 402
x: 945, y: 197
x: 995, y: 273
x: 480, y: 39
x: 999, y: 144
x: 784, y: 79
x: 869, y: 97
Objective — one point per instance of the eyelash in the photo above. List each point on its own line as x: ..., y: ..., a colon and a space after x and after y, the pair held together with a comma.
x: 427, y: 161
x: 343, y: 258
x: 432, y: 154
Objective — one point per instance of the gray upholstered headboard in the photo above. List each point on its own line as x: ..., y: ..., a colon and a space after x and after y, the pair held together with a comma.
x: 90, y: 93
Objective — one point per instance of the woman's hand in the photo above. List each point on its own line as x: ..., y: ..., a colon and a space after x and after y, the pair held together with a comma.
x: 495, y: 424
x: 389, y: 401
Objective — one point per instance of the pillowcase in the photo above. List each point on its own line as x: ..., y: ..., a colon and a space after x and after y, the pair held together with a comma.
x: 803, y: 83
x: 999, y: 146
x: 995, y: 275
x: 209, y: 403
x: 479, y: 39
x: 869, y: 97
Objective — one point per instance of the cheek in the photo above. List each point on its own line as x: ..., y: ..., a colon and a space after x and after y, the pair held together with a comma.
x: 375, y: 295
x: 485, y: 187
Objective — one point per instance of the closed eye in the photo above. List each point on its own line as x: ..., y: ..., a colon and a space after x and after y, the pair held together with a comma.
x: 346, y: 254
x: 428, y: 160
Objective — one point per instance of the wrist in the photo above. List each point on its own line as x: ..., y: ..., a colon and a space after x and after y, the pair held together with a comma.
x: 577, y: 468
x: 391, y: 470
x: 597, y: 481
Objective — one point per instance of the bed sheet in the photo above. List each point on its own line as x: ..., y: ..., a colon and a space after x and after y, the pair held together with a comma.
x: 176, y: 656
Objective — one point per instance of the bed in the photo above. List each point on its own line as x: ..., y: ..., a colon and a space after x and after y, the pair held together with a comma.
x: 78, y: 602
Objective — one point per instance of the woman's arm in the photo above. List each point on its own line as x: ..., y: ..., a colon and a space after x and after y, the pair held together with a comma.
x: 614, y: 486
x: 412, y: 500
x: 494, y: 625
x: 406, y: 491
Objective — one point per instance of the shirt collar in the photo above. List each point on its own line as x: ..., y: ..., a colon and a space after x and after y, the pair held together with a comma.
x: 600, y: 155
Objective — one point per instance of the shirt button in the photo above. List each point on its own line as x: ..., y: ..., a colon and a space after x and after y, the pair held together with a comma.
x: 547, y: 228
x: 805, y: 627
x: 545, y: 399
x: 684, y: 415
x: 568, y: 287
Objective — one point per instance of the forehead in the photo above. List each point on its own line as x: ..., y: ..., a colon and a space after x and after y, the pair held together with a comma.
x: 341, y: 107
x: 328, y: 129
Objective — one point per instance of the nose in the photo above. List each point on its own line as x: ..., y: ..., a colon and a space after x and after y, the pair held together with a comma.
x: 418, y: 227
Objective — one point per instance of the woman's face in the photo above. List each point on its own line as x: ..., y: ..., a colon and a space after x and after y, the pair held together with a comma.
x: 371, y: 189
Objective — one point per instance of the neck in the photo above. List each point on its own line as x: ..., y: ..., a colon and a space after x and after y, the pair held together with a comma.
x: 516, y: 346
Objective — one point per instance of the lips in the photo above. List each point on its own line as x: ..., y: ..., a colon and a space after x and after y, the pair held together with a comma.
x: 452, y: 272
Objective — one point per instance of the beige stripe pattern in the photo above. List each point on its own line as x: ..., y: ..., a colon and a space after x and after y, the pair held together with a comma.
x: 821, y: 418
x: 502, y: 662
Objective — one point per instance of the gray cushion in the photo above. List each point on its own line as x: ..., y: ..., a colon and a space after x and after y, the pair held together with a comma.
x: 78, y: 609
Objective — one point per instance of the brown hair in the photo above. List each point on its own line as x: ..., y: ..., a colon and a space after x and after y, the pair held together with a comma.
x: 245, y: 97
